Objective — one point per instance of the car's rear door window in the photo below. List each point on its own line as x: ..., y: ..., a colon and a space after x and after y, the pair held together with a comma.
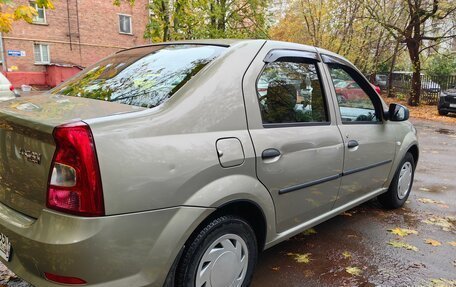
x: 290, y: 92
x: 144, y: 77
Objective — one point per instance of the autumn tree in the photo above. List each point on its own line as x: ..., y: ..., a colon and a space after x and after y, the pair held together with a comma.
x: 10, y: 12
x: 340, y: 26
x: 425, y: 26
x: 185, y: 19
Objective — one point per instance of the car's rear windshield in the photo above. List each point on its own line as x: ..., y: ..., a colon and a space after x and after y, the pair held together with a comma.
x: 144, y: 77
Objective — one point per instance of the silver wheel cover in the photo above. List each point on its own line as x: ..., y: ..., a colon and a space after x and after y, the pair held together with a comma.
x: 224, y: 263
x: 405, y: 180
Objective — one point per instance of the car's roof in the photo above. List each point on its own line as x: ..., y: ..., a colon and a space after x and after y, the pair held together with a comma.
x: 235, y: 42
x: 214, y: 42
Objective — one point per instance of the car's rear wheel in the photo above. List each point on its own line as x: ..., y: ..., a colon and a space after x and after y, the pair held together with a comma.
x: 223, y: 253
x: 401, y: 185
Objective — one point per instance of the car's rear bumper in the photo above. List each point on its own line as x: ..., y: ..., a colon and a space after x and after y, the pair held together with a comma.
x: 135, y: 249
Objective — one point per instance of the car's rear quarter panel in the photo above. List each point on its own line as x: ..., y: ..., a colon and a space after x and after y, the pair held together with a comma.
x: 161, y: 158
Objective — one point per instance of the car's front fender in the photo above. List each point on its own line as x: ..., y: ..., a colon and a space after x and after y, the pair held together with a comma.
x: 406, y: 139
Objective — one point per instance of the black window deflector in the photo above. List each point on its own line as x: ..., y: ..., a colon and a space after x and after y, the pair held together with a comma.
x: 334, y: 60
x: 290, y: 56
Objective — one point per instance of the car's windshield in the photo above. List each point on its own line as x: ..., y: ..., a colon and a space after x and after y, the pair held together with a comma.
x: 144, y: 77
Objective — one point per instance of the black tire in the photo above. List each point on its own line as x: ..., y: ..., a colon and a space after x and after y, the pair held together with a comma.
x: 391, y: 198
x: 443, y: 113
x: 205, y: 237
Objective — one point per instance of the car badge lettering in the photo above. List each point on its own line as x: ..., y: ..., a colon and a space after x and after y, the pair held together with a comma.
x: 31, y: 155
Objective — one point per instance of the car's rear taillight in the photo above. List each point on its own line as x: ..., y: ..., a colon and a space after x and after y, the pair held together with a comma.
x: 11, y: 88
x: 75, y: 181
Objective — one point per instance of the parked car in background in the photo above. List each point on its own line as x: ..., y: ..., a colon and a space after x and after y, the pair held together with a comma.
x: 430, y: 86
x: 381, y: 81
x: 447, y: 101
x: 177, y: 163
x: 351, y: 90
x: 7, y: 90
x: 377, y: 89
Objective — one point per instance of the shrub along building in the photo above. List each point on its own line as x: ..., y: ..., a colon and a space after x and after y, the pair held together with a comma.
x: 76, y: 34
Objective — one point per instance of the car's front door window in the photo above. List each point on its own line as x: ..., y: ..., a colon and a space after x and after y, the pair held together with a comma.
x: 355, y: 105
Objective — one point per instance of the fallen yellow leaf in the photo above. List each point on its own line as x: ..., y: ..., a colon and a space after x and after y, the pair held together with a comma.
x: 346, y: 254
x: 402, y: 232
x: 309, y: 231
x: 447, y: 223
x: 443, y: 283
x: 452, y: 243
x: 400, y: 244
x: 355, y: 271
x: 428, y: 200
x: 301, y: 258
x: 433, y: 242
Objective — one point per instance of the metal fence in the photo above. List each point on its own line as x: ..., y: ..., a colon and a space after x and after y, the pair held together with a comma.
x: 431, y: 87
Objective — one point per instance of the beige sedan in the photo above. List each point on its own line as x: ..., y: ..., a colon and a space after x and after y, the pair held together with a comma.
x: 176, y: 164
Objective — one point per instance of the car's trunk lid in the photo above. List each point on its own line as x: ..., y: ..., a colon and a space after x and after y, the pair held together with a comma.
x: 27, y: 145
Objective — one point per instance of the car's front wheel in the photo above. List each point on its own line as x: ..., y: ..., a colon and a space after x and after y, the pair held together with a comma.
x: 401, y: 185
x: 223, y: 253
x: 443, y: 113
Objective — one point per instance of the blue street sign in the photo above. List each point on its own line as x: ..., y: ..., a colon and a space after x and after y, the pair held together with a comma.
x: 16, y: 53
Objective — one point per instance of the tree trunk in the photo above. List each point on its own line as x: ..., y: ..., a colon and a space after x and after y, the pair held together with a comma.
x: 213, y: 24
x: 177, y: 15
x: 221, y: 19
x: 413, y: 49
x: 164, y: 7
x: 389, y: 92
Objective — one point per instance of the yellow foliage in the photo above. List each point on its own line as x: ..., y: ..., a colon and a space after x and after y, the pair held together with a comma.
x: 355, y: 271
x: 346, y: 254
x: 301, y: 258
x: 399, y: 244
x: 309, y: 231
x: 10, y: 13
x: 45, y: 3
x: 25, y: 13
x: 443, y: 283
x: 402, y: 232
x: 6, y: 21
x: 433, y: 242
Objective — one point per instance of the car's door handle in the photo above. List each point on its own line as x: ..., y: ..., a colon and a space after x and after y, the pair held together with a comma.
x: 352, y: 144
x: 270, y: 153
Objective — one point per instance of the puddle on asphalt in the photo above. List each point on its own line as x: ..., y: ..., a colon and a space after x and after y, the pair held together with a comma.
x: 446, y: 131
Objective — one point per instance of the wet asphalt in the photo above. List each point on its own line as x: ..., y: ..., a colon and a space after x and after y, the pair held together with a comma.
x: 353, y: 249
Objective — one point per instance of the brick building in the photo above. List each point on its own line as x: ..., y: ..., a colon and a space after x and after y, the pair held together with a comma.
x: 75, y: 34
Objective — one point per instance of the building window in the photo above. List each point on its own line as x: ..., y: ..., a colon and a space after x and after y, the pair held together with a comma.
x: 125, y: 24
x: 41, y: 52
x: 40, y: 18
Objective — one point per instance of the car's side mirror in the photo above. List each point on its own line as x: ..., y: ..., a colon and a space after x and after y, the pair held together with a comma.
x: 397, y: 113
